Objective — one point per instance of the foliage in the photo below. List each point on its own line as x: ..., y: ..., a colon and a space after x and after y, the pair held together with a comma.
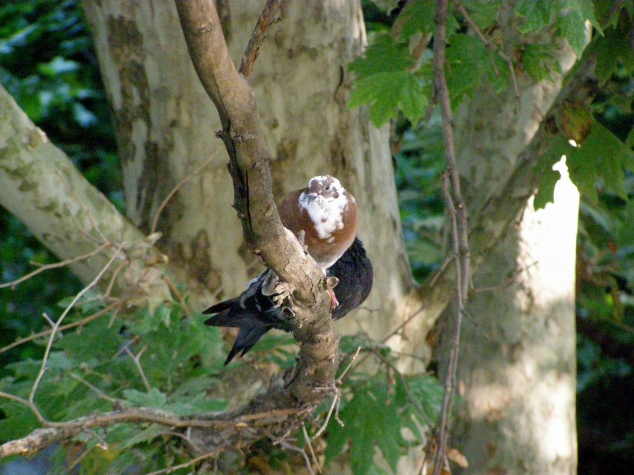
x: 597, y: 140
x: 380, y: 406
x: 48, y: 66
x: 93, y: 369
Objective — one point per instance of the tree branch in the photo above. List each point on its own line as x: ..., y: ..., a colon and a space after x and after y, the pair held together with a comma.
x: 267, y: 18
x: 42, y: 188
x: 459, y: 225
x: 490, y: 223
x: 53, y: 432
x: 253, y: 199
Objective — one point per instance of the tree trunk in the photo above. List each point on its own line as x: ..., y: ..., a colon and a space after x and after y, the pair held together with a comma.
x: 516, y: 372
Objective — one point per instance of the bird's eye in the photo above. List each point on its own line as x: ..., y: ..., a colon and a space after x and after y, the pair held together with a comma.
x: 327, y: 187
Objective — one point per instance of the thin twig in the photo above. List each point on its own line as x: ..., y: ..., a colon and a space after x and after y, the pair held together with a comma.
x: 61, y: 319
x: 26, y: 403
x: 178, y: 187
x: 459, y: 224
x: 310, y: 446
x: 137, y: 362
x: 56, y: 265
x: 68, y: 326
x: 186, y: 464
x: 267, y: 18
x: 98, y: 391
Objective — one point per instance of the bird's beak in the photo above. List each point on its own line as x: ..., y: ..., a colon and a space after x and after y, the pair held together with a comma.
x: 311, y: 197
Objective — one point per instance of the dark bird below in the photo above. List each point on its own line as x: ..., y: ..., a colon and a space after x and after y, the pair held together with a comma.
x: 255, y: 313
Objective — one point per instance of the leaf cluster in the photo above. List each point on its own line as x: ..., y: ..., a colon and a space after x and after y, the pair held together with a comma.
x: 383, y: 411
x: 163, y: 360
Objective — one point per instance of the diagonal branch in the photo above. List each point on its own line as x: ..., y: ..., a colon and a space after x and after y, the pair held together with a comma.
x: 253, y: 199
x: 267, y: 18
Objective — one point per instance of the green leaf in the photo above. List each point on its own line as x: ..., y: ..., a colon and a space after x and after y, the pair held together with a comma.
x: 417, y: 16
x: 613, y: 52
x: 382, y: 56
x: 385, y: 92
x: 536, y: 13
x: 146, y: 435
x: 539, y: 62
x: 573, y: 28
x: 575, y: 122
x: 483, y: 12
x: 545, y: 193
x: 601, y: 156
x: 468, y: 62
x: 586, y: 10
x: 153, y: 398
x: 370, y: 419
x: 197, y: 404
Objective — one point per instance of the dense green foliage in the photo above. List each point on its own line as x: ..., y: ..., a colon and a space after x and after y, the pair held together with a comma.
x: 48, y: 65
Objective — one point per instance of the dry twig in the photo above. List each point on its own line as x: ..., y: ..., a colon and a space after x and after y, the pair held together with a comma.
x: 459, y: 225
x: 267, y: 18
x: 61, y: 319
x: 56, y: 265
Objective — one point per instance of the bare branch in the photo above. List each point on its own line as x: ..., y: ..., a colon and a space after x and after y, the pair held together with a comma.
x: 61, y: 319
x: 267, y: 18
x: 53, y: 432
x: 68, y: 326
x: 56, y: 265
x: 253, y: 200
x: 137, y: 362
x: 459, y: 224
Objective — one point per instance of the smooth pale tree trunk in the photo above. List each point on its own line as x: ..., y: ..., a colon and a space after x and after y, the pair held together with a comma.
x: 165, y: 126
x: 516, y: 373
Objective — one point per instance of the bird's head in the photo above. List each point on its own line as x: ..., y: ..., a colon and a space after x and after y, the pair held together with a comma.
x: 324, y: 188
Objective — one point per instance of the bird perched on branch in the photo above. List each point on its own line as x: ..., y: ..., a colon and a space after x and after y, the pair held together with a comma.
x: 326, y: 213
x: 324, y: 216
x: 255, y: 313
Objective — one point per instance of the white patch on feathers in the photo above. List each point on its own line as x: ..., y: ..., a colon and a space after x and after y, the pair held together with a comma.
x: 326, y: 213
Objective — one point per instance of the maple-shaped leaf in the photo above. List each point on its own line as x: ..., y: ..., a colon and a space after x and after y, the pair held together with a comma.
x: 536, y: 13
x: 572, y: 27
x: 467, y: 63
x: 601, y: 159
x: 382, y: 56
x: 371, y: 419
x: 417, y: 16
x: 385, y: 92
x: 539, y: 62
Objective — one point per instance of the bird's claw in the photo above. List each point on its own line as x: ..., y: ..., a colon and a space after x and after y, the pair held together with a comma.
x: 282, y: 292
x: 334, y: 303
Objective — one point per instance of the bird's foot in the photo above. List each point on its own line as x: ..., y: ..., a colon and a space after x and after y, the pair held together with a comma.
x: 281, y: 293
x: 334, y: 303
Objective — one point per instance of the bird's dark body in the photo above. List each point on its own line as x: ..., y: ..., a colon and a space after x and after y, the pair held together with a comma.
x: 255, y: 313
